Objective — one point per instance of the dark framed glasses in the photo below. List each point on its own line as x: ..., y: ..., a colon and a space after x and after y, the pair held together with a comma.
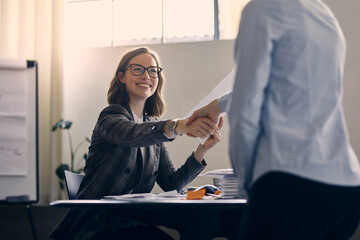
x: 138, y: 70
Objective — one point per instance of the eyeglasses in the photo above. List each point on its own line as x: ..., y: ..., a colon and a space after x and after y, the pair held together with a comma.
x: 138, y: 70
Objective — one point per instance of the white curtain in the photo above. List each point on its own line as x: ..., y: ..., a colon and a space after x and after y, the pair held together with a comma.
x: 32, y: 30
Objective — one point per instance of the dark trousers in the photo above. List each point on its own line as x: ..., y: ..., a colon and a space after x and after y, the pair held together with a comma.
x: 283, y: 206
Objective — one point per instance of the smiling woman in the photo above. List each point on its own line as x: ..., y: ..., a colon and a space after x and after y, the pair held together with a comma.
x: 128, y: 154
x: 140, y: 84
x: 122, y: 87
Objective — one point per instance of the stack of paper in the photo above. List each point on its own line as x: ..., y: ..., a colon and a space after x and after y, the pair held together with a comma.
x: 229, y: 185
x: 228, y: 181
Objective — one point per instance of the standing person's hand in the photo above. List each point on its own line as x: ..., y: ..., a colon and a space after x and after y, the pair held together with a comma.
x: 209, y: 143
x: 212, y: 111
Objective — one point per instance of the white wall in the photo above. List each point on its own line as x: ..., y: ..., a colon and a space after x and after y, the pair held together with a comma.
x: 191, y: 70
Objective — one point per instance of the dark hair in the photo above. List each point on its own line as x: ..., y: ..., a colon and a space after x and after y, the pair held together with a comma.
x: 117, y: 94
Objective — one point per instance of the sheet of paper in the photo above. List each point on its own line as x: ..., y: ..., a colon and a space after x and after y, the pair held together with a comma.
x: 146, y: 196
x: 12, y: 155
x: 13, y: 138
x: 12, y: 93
x: 218, y: 172
x: 223, y: 87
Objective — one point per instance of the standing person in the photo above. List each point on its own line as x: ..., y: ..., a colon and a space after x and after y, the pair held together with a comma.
x: 289, y: 145
x: 127, y: 152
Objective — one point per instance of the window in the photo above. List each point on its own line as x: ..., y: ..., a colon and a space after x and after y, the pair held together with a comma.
x: 229, y: 13
x: 88, y: 23
x: 186, y: 20
x: 137, y: 21
x: 124, y: 22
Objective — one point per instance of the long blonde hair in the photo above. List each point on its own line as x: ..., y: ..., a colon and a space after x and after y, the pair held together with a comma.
x: 117, y: 94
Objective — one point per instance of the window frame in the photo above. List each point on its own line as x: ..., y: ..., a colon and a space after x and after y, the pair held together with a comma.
x: 162, y: 40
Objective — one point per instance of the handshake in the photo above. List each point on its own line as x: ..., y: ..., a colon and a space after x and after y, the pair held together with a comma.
x: 204, y: 122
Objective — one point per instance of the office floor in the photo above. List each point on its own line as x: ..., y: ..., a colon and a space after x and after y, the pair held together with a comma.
x: 15, y: 225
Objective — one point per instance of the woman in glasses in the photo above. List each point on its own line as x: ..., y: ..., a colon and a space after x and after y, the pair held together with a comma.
x: 127, y: 152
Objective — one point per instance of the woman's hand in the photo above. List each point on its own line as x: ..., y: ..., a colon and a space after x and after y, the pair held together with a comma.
x: 209, y: 143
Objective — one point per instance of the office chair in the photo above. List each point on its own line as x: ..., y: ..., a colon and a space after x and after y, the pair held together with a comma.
x: 72, y: 182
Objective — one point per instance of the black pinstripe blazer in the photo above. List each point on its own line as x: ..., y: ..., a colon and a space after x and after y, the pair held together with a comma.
x: 115, y: 166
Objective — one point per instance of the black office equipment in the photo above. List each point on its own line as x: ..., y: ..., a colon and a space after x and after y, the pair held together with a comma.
x: 72, y: 182
x: 19, y: 178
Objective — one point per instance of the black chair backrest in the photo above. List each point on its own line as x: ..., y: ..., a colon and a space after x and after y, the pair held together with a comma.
x: 72, y: 182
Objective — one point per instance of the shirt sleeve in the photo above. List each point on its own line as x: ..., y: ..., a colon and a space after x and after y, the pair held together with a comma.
x: 224, y: 101
x: 252, y: 58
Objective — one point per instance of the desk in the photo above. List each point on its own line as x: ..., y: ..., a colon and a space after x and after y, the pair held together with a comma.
x: 194, y: 219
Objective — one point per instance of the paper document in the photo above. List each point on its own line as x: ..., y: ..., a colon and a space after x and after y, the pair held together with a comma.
x: 223, y: 87
x: 218, y: 172
x: 147, y: 196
